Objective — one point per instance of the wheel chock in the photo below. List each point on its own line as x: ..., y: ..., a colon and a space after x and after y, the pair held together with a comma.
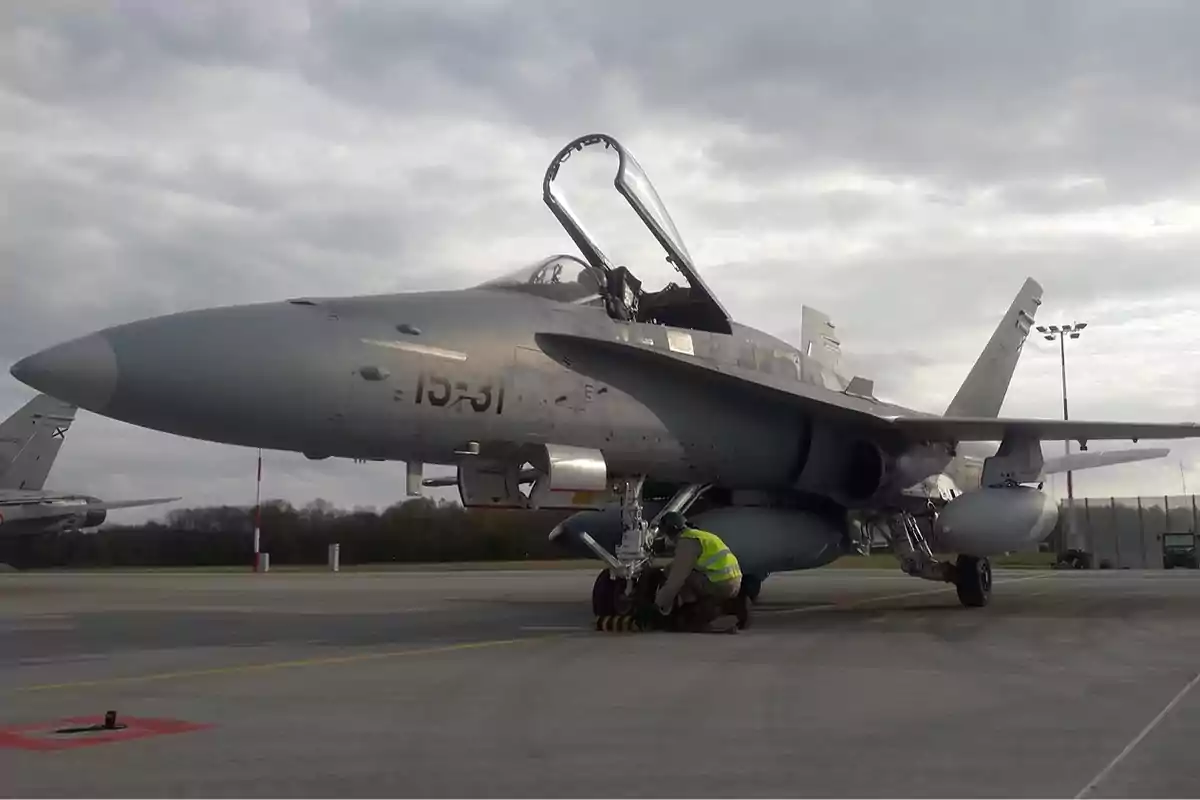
x: 619, y: 623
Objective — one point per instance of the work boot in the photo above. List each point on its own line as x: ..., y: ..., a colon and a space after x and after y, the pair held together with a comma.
x: 741, y: 609
x: 723, y: 624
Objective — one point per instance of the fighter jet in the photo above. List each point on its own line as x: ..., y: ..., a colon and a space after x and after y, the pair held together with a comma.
x: 609, y: 397
x: 29, y: 443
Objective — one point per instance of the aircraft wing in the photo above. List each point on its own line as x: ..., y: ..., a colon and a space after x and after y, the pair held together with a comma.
x: 1078, y: 461
x: 871, y: 412
x: 109, y: 505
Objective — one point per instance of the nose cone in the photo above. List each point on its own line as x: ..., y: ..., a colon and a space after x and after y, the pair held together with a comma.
x: 270, y: 375
x: 81, y: 371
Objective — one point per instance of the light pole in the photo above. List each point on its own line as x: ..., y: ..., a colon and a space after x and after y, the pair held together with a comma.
x: 1061, y: 333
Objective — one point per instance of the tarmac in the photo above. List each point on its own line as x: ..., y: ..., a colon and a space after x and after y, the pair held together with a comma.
x: 850, y: 683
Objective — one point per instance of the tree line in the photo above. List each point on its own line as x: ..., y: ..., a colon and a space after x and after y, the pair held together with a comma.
x: 417, y: 530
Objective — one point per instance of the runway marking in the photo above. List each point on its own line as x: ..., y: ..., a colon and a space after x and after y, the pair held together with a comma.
x: 562, y: 628
x: 1138, y: 739
x: 305, y: 662
x: 34, y: 661
x: 901, y: 596
x: 35, y: 627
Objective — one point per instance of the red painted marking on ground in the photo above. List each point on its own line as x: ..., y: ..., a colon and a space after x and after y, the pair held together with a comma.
x: 41, y: 736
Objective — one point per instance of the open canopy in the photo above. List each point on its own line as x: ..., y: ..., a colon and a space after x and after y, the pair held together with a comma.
x: 699, y: 305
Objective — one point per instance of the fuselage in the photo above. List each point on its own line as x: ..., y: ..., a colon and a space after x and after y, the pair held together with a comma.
x: 414, y: 377
x: 571, y: 367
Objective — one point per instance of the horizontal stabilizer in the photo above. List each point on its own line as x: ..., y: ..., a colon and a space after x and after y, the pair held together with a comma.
x: 988, y: 429
x: 109, y: 505
x: 1078, y: 461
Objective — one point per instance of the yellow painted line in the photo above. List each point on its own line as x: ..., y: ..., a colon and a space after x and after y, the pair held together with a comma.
x: 266, y: 667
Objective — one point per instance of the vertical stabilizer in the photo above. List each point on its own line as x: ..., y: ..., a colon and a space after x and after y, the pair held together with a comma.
x: 982, y: 393
x: 30, y: 440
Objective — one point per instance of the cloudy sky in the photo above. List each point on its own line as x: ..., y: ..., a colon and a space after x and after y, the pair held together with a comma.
x: 901, y: 166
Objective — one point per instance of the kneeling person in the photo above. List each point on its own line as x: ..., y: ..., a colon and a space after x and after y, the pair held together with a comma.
x: 704, y: 573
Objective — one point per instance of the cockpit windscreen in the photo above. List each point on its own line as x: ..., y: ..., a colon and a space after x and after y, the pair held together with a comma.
x: 563, y: 278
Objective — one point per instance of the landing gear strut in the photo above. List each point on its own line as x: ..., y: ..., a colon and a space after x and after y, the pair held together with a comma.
x: 910, y: 546
x: 971, y: 575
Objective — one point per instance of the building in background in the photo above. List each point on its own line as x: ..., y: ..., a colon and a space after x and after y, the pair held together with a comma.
x: 1127, y: 532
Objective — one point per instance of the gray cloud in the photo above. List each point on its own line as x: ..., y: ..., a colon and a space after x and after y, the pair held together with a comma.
x: 975, y: 92
x: 903, y: 168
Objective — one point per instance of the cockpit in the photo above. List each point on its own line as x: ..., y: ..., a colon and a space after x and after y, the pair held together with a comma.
x: 563, y: 278
x: 568, y: 279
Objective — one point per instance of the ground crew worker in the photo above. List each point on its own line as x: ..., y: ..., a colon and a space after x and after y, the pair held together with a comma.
x: 704, y: 573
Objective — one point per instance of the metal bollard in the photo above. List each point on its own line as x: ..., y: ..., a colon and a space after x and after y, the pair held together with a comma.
x: 335, y: 552
x: 264, y: 562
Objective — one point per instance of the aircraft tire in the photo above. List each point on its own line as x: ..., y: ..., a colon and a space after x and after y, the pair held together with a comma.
x: 973, y: 581
x: 604, y: 595
x: 647, y: 586
x: 609, y: 597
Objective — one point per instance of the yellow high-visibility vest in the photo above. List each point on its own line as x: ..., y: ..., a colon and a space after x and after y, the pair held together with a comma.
x: 716, y: 561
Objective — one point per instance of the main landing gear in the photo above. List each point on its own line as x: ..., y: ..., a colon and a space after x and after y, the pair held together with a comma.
x: 973, y: 580
x: 971, y: 575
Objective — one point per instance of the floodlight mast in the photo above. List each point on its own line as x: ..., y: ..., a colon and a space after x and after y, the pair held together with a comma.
x: 1062, y: 333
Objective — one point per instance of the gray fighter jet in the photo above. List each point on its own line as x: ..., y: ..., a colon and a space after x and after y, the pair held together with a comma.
x: 29, y: 443
x: 566, y: 385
